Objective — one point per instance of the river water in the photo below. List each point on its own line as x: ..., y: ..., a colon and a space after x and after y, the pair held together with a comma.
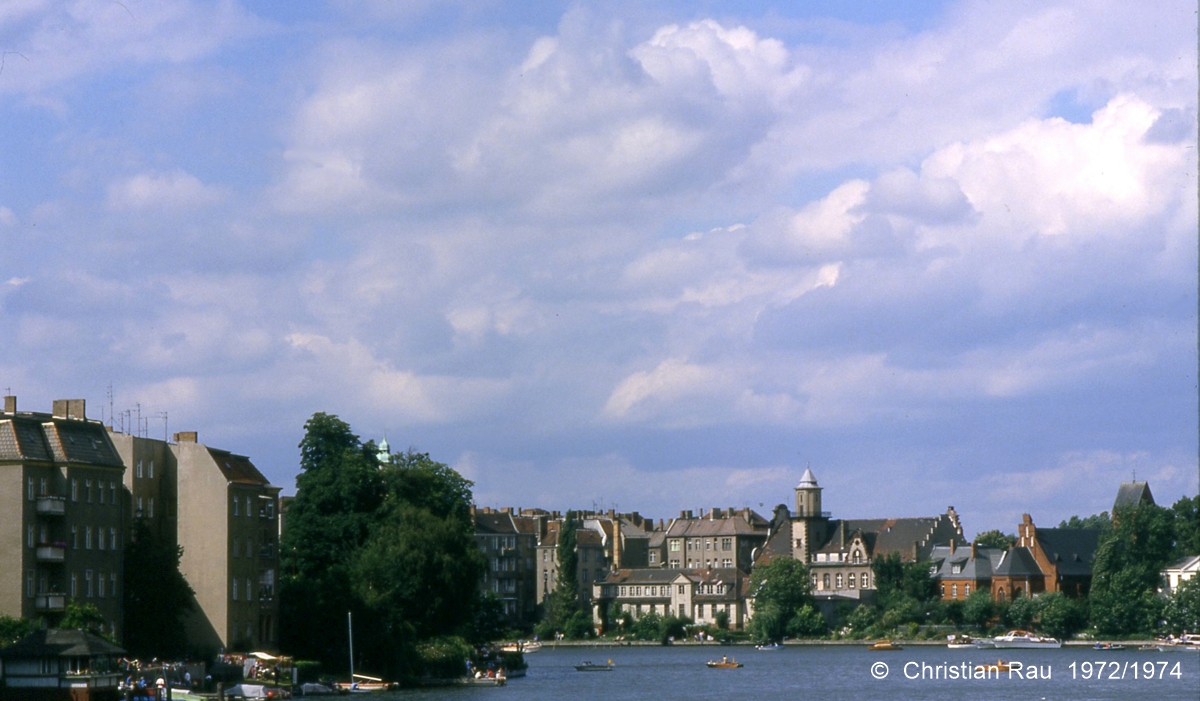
x: 841, y: 673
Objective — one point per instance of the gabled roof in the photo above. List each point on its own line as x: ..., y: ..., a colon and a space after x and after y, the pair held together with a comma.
x: 1072, y: 550
x: 977, y: 568
x: 1187, y: 563
x: 54, y: 642
x: 1133, y: 494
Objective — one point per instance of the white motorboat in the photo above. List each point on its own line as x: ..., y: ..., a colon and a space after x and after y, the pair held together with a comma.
x: 1024, y: 639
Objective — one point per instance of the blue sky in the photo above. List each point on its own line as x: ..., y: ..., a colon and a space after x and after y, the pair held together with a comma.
x: 653, y: 256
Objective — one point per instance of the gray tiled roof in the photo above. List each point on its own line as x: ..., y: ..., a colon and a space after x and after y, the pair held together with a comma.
x: 1018, y: 562
x: 41, y: 437
x: 1072, y: 550
x: 1133, y: 494
x: 54, y: 642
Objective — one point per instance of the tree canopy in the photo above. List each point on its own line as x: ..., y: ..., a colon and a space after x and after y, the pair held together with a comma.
x: 783, y: 602
x: 391, y: 543
x: 157, y: 597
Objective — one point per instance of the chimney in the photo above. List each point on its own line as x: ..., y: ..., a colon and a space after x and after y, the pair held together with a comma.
x: 951, y: 546
x: 506, y: 510
x: 69, y: 409
x: 187, y: 437
x: 10, y: 404
x: 974, y: 551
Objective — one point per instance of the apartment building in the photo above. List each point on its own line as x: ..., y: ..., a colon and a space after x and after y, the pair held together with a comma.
x: 223, y: 512
x: 62, y: 509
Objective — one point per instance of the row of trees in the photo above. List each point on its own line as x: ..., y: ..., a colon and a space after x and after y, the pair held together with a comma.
x: 390, y: 542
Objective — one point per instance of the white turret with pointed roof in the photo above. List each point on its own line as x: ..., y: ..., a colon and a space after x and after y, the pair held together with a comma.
x: 384, y: 452
x: 808, y: 496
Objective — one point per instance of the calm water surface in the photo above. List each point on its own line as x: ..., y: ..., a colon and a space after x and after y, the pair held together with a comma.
x: 839, y: 673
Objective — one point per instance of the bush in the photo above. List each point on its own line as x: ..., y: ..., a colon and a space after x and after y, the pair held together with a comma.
x: 307, y: 670
x: 445, y: 657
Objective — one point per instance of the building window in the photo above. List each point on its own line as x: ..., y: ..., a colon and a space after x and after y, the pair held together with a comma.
x: 954, y: 590
x: 150, y: 511
x: 825, y: 582
x: 100, y: 586
x: 248, y: 513
x: 943, y: 590
x: 235, y: 589
x: 653, y: 557
x: 839, y: 581
x: 727, y: 563
x: 151, y: 466
x: 863, y: 579
x: 852, y: 580
x: 74, y: 489
x: 249, y: 591
x: 74, y: 538
x: 966, y: 590
x: 87, y: 484
x: 112, y: 492
x: 29, y: 583
x: 87, y: 583
x: 138, y: 471
x: 139, y: 508
x: 30, y: 489
x: 727, y: 543
x: 87, y: 538
x: 74, y: 584
x: 112, y: 584
x: 29, y: 535
x: 681, y: 590
x: 100, y: 537
x: 674, y: 546
x: 42, y: 486
x: 857, y: 557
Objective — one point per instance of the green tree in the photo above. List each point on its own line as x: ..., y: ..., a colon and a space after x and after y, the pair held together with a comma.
x: 1021, y: 612
x: 1126, y: 574
x: 1100, y: 521
x: 13, y: 629
x: 157, y: 597
x: 563, y: 604
x: 86, y: 617
x: 1059, y: 615
x: 1182, y: 610
x: 995, y: 539
x: 781, y: 588
x: 978, y: 609
x: 807, y: 622
x: 338, y: 495
x: 1187, y: 526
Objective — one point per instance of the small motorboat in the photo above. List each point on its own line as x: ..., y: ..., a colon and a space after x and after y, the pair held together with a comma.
x: 1107, y: 646
x: 999, y: 666
x: 590, y: 666
x: 723, y: 663
x: 769, y: 647
x: 883, y: 645
x: 1024, y: 639
x: 962, y: 641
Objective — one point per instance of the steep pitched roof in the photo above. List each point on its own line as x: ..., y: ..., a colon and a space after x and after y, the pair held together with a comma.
x: 1072, y: 550
x: 1018, y: 562
x: 1133, y: 494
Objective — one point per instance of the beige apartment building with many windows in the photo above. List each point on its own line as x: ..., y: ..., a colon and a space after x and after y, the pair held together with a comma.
x: 223, y: 512
x: 61, y: 514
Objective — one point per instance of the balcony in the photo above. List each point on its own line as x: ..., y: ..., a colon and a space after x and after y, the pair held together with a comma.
x: 50, y: 602
x: 51, y: 506
x: 51, y: 552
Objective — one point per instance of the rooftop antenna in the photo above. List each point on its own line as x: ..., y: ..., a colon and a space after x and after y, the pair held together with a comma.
x: 110, y: 405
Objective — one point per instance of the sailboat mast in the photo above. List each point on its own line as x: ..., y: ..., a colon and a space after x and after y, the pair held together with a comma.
x: 350, y: 627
